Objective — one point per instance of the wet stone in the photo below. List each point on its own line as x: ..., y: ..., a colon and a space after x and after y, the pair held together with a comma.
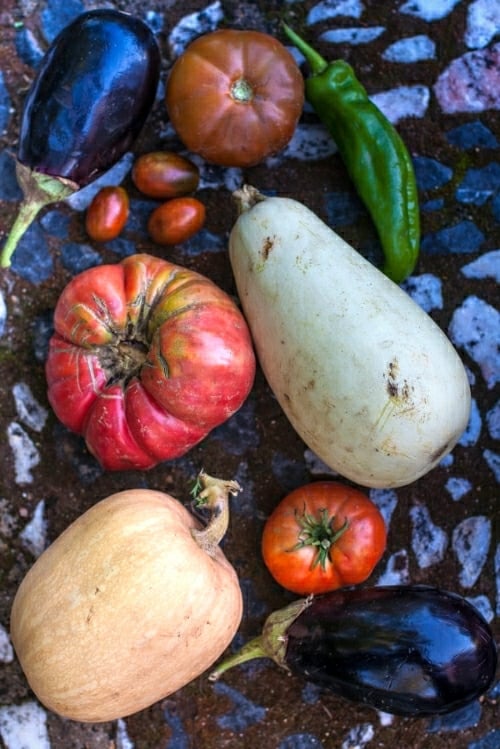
x: 57, y: 14
x: 28, y: 47
x: 386, y: 500
x: 3, y: 313
x: 430, y: 173
x: 122, y: 247
x: 78, y: 257
x: 463, y: 237
x: 6, y: 649
x: 432, y: 205
x: 178, y: 738
x: 29, y: 411
x: 193, y: 25
x: 472, y: 135
x: 56, y: 223
x: 203, y: 241
x: 401, y: 102
x: 358, y: 736
x: 26, y: 456
x: 482, y: 604
x: 32, y: 259
x: 490, y: 741
x: 458, y: 720
x: 495, y: 207
x: 493, y: 421
x: 5, y: 104
x: 471, y: 541
x: 301, y: 741
x: 411, y: 49
x: 493, y: 462
x: 34, y: 534
x: 9, y: 188
x: 343, y: 208
x: 397, y: 571
x: 287, y: 472
x: 239, y: 432
x: 244, y: 712
x: 42, y: 330
x: 479, y: 185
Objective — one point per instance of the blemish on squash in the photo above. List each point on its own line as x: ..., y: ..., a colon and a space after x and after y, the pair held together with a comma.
x: 267, y: 246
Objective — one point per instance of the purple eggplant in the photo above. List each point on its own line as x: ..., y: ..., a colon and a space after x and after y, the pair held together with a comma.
x: 407, y: 650
x: 87, y: 104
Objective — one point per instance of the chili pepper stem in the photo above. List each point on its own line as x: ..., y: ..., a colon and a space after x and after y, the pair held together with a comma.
x: 316, y: 62
x: 39, y: 190
x: 214, y: 495
x: 271, y: 643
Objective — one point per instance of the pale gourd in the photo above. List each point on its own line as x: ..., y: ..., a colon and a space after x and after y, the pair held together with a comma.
x: 130, y: 603
x: 368, y: 380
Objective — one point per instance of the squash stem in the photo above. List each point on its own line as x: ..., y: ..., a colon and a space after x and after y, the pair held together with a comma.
x: 39, y: 190
x: 271, y: 643
x: 214, y: 495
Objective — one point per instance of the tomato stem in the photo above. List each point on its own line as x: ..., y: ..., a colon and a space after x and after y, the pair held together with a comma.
x: 271, y: 643
x: 241, y: 91
x: 213, y: 494
x: 320, y: 533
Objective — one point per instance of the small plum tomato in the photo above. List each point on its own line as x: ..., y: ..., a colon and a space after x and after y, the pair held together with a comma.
x: 163, y: 174
x: 323, y: 536
x: 176, y: 220
x: 107, y: 213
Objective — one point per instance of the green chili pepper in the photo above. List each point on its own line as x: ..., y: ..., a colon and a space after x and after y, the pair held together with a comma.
x: 374, y: 154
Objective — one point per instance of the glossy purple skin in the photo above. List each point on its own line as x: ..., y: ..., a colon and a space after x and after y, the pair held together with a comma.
x: 408, y: 650
x: 91, y: 96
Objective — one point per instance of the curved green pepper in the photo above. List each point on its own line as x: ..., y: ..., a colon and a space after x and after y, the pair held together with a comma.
x: 374, y: 154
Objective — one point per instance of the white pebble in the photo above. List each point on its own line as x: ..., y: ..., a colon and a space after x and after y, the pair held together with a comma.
x: 429, y: 10
x: 353, y: 36
x: 194, y: 25
x: 3, y: 314
x: 6, y: 649
x: 332, y: 8
x: 471, y: 541
x: 411, y: 49
x: 475, y: 326
x: 26, y: 456
x: 397, y: 571
x: 30, y: 412
x: 386, y: 500
x: 122, y: 738
x: 483, y: 605
x: 485, y: 266
x: 458, y: 487
x: 425, y: 290
x: 429, y: 541
x: 483, y: 23
x: 493, y: 461
x: 34, y: 534
x: 404, y: 101
x: 497, y: 576
x: 24, y: 726
x: 359, y: 736
x: 493, y: 421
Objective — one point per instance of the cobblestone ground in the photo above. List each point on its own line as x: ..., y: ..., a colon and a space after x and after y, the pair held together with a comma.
x: 433, y: 67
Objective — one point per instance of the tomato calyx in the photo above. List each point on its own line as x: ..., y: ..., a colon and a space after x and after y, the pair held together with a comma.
x: 318, y: 532
x: 123, y: 360
x: 242, y: 91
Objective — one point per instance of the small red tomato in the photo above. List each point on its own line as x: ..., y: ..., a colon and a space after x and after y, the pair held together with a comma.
x: 176, y: 220
x: 162, y: 174
x: 107, y: 214
x: 323, y: 536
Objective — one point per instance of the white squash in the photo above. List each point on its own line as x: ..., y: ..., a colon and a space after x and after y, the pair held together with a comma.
x: 370, y: 383
x: 129, y: 604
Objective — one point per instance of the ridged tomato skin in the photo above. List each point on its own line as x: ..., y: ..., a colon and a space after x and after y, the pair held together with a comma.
x: 146, y: 359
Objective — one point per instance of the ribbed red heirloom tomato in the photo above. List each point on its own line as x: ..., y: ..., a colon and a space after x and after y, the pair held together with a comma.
x: 323, y: 536
x: 235, y: 96
x: 147, y: 357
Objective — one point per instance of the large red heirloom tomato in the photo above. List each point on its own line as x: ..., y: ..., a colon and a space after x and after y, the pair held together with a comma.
x: 235, y: 96
x: 147, y: 357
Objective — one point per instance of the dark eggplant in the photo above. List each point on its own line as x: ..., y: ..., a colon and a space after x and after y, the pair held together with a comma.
x: 408, y: 650
x: 87, y: 104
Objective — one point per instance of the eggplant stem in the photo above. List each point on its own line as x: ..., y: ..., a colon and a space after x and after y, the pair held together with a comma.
x: 214, y: 495
x: 271, y: 643
x: 39, y: 190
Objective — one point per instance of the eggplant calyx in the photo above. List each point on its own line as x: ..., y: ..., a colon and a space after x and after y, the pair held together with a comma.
x: 213, y: 494
x: 319, y: 533
x: 39, y: 190
x: 271, y: 643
